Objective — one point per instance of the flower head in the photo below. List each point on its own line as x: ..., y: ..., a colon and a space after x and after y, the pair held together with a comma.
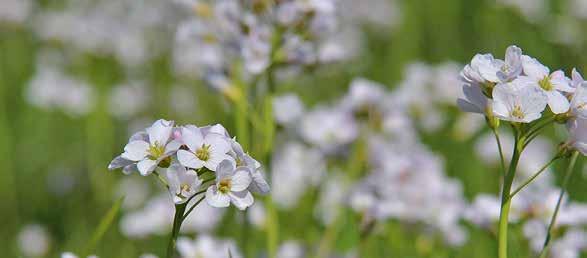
x: 554, y: 85
x: 146, y: 150
x: 205, y: 149
x: 518, y: 101
x: 230, y: 187
x: 183, y: 183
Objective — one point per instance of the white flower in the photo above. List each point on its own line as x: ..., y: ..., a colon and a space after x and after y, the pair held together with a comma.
x: 231, y: 187
x: 474, y: 100
x: 205, y: 150
x: 146, y: 150
x: 72, y: 255
x: 183, y: 183
x: 206, y: 246
x: 518, y: 101
x: 578, y: 134
x: 287, y: 109
x: 579, y: 101
x: 259, y: 184
x: 34, y: 240
x: 291, y: 249
x: 484, y: 68
x: 552, y: 84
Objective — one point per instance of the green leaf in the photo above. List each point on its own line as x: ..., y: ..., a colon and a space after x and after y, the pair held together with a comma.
x: 104, y: 225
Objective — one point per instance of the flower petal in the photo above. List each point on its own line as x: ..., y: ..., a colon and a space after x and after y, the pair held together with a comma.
x: 557, y: 102
x: 216, y: 199
x: 224, y: 170
x: 119, y: 162
x: 241, y: 200
x: 146, y: 166
x: 241, y: 179
x: 188, y: 159
x: 259, y: 184
x: 135, y: 150
x: 533, y: 68
x: 160, y: 131
x: 192, y: 137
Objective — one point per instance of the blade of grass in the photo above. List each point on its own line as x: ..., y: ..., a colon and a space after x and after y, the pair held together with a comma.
x: 104, y: 225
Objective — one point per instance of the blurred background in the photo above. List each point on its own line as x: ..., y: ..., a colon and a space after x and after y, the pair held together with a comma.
x: 77, y: 78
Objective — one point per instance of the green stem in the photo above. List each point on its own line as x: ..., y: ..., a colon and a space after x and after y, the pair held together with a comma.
x: 506, y: 201
x: 529, y: 180
x: 177, y: 220
x: 192, y: 208
x: 568, y: 174
x: 502, y: 160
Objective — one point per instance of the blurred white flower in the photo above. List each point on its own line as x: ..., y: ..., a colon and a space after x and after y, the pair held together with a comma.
x: 328, y: 128
x: 295, y: 167
x: 34, y: 240
x: 287, y: 109
x: 206, y: 246
x: 291, y: 249
x: 128, y: 99
x: 15, y: 11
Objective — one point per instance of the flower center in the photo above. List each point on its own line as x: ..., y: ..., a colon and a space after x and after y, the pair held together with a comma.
x: 239, y: 162
x: 546, y: 84
x: 156, y: 150
x: 203, y: 10
x: 224, y: 185
x: 185, y: 187
x: 517, y: 112
x: 203, y: 153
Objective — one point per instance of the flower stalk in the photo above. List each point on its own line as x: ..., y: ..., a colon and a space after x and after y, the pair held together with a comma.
x: 506, y: 200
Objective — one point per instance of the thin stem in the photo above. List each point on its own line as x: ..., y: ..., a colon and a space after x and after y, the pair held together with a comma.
x: 529, y: 180
x: 533, y: 132
x: 502, y: 160
x: 192, y: 208
x: 506, y: 201
x: 177, y: 220
x: 161, y: 179
x: 568, y: 174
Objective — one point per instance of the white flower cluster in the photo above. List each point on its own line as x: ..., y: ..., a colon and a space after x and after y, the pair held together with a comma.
x: 51, y: 88
x: 402, y: 179
x: 256, y: 34
x: 132, y: 31
x: 186, y: 154
x: 519, y: 88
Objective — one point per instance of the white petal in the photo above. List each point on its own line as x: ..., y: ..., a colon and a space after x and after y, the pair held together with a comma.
x: 119, y: 162
x: 188, y: 159
x: 146, y: 166
x: 160, y: 131
x: 466, y: 106
x: 173, y: 174
x: 532, y: 100
x: 192, y: 137
x: 135, y: 150
x: 557, y: 102
x: 215, y: 159
x: 172, y: 147
x: 500, y: 110
x: 259, y: 184
x: 533, y: 68
x: 219, y: 142
x: 216, y: 199
x: 241, y: 200
x: 241, y: 179
x: 224, y: 170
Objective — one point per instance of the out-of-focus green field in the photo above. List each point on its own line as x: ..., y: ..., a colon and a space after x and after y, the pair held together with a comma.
x: 39, y: 148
